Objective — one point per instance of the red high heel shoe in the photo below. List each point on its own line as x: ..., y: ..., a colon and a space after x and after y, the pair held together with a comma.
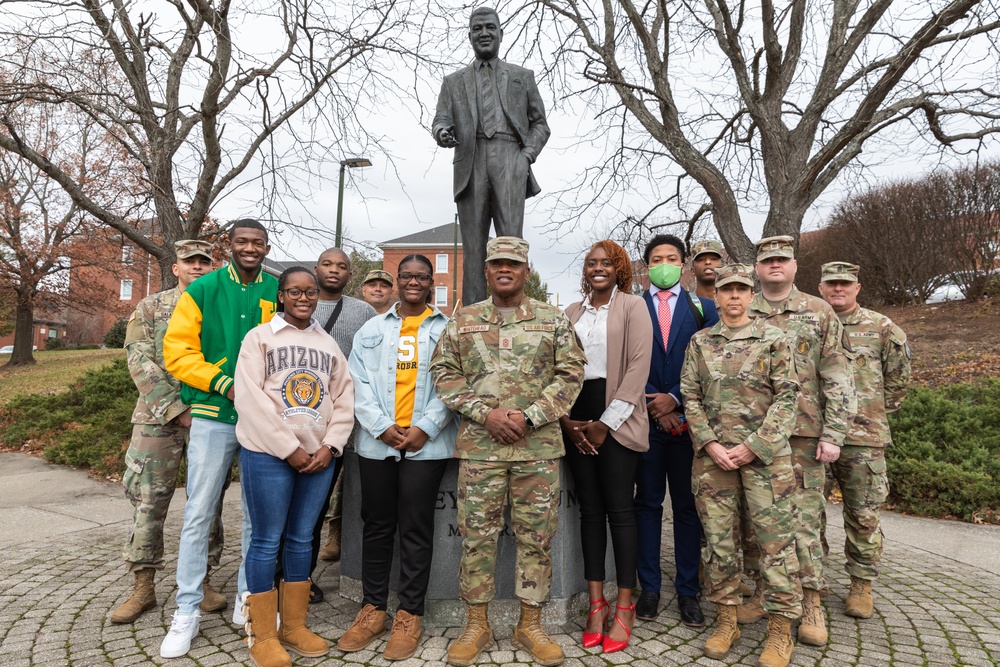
x: 613, y: 645
x: 592, y: 639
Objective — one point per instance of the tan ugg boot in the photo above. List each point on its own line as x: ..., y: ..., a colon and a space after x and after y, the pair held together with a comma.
x: 331, y: 550
x: 261, y: 611
x: 727, y: 631
x: 476, y: 636
x: 778, y: 646
x: 752, y: 610
x: 812, y: 629
x: 293, y: 606
x: 368, y: 626
x: 530, y: 636
x: 212, y: 600
x: 859, y: 600
x: 143, y: 598
x: 404, y: 638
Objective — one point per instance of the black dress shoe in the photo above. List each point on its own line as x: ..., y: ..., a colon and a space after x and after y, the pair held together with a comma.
x: 647, y: 606
x: 315, y: 593
x: 691, y: 614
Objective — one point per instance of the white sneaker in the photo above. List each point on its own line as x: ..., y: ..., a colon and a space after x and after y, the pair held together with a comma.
x: 238, y: 618
x: 183, y: 629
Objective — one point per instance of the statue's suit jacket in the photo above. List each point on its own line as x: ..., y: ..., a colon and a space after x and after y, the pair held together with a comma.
x: 522, y: 105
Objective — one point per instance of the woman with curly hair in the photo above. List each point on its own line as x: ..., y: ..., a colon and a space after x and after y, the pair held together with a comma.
x: 606, y: 430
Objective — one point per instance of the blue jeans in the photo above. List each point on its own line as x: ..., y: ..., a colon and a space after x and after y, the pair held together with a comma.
x: 282, y: 503
x: 212, y: 446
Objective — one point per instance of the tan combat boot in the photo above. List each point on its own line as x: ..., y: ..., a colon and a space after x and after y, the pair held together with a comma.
x: 404, y: 638
x: 529, y: 636
x: 727, y: 631
x: 261, y: 612
x: 293, y: 605
x: 859, y: 600
x: 752, y: 610
x: 212, y: 600
x: 746, y: 590
x: 778, y: 646
x: 143, y: 598
x: 331, y: 550
x: 812, y: 629
x: 476, y: 636
x: 368, y: 626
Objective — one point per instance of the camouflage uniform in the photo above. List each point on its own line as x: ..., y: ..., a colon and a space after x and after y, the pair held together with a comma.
x: 528, y: 361
x: 158, y: 440
x: 739, y: 387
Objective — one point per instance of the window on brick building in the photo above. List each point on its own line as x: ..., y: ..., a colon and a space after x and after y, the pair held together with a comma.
x: 125, y: 292
x: 441, y: 295
x: 442, y: 264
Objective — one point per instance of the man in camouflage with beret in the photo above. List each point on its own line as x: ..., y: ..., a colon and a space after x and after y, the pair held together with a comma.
x: 377, y: 290
x: 881, y: 376
x: 739, y: 386
x: 706, y: 257
x: 826, y: 405
x: 159, y: 434
x: 511, y: 366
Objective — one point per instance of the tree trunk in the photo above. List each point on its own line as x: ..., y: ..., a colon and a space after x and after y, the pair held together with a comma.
x: 24, y: 331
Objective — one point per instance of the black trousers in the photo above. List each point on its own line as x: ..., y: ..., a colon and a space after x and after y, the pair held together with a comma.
x: 398, y: 495
x: 605, y: 485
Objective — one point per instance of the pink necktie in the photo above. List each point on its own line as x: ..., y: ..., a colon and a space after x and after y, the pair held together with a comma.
x: 663, y: 314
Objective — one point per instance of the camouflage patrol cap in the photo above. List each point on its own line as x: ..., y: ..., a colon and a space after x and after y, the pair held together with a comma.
x: 192, y: 248
x: 734, y: 273
x: 843, y: 271
x: 775, y: 246
x: 507, y: 247
x: 704, y: 247
x: 378, y: 274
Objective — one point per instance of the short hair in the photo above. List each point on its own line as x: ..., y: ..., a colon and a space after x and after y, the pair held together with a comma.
x: 247, y: 223
x: 484, y: 10
x: 664, y: 239
x: 336, y: 249
x: 621, y: 261
x: 283, y: 278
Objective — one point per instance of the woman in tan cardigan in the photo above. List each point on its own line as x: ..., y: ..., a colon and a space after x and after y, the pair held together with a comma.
x: 607, y: 429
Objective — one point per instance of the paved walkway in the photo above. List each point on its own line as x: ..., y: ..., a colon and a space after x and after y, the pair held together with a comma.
x: 60, y: 575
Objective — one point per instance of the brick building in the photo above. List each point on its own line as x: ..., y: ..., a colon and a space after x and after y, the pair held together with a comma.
x: 443, y: 246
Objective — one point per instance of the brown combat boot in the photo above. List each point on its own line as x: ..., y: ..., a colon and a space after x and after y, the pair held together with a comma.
x: 859, y: 600
x: 752, y: 610
x: 331, y: 550
x: 404, y: 638
x: 812, y: 629
x: 530, y: 636
x: 746, y: 590
x: 143, y: 598
x: 212, y: 600
x: 476, y: 636
x: 727, y: 631
x: 293, y: 605
x: 368, y: 626
x: 261, y: 611
x: 778, y: 646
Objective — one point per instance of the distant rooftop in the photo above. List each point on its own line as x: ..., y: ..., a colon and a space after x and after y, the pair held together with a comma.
x: 435, y: 236
x: 278, y: 266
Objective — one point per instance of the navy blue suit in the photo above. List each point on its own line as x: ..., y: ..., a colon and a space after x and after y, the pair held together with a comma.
x: 669, y: 459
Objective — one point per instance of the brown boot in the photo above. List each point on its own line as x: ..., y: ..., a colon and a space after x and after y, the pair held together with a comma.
x: 746, y: 590
x: 404, y: 637
x: 812, y: 629
x: 212, y: 600
x: 752, y: 610
x: 143, y: 598
x: 261, y: 611
x: 529, y: 636
x: 476, y: 636
x: 778, y: 646
x: 331, y: 550
x: 727, y: 631
x: 293, y: 607
x: 859, y: 600
x: 368, y: 626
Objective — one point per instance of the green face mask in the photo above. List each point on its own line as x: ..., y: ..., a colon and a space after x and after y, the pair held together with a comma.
x: 664, y: 275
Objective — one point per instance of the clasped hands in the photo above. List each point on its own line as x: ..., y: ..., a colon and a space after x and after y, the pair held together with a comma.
x: 587, y: 436
x: 404, y: 438
x: 308, y: 464
x: 506, y: 425
x: 663, y: 408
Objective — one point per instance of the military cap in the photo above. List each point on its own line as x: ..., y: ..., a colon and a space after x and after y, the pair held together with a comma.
x: 192, y: 248
x: 703, y: 247
x: 507, y: 247
x: 844, y: 271
x: 775, y: 246
x: 378, y: 274
x: 734, y: 273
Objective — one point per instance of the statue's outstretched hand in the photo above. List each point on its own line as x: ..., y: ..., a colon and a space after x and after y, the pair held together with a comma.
x: 446, y: 137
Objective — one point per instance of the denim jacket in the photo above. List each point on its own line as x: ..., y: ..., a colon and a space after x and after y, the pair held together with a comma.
x: 373, y: 367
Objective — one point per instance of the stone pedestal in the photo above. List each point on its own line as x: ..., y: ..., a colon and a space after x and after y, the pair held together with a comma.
x: 444, y: 608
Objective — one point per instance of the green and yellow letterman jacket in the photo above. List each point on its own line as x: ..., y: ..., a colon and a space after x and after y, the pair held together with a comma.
x: 206, y: 331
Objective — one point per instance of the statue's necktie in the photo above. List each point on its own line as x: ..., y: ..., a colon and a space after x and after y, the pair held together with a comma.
x: 663, y: 314
x: 489, y: 101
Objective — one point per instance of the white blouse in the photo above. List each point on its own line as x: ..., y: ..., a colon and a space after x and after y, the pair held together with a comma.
x: 592, y: 328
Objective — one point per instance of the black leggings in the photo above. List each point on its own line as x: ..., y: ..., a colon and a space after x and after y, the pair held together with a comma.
x: 605, y: 485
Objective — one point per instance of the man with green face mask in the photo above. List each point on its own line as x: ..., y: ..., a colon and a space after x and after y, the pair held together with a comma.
x: 677, y: 316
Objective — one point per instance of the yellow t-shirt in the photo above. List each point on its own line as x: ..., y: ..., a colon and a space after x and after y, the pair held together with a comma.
x: 406, y: 368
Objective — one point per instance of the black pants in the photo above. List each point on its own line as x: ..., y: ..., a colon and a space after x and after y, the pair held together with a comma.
x: 398, y: 495
x: 604, y: 488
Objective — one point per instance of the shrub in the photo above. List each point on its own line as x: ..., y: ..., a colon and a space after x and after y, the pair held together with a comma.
x: 115, y: 337
x: 55, y: 344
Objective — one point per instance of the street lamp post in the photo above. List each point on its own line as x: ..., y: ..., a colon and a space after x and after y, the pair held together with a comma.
x: 352, y: 162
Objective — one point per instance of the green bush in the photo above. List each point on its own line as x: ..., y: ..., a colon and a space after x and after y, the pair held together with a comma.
x: 55, y: 343
x: 115, y: 338
x: 945, y: 458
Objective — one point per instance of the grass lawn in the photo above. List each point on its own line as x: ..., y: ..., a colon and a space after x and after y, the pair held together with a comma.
x: 53, y: 373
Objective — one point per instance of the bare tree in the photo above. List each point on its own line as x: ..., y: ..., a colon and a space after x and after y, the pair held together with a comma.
x: 973, y: 195
x: 762, y: 106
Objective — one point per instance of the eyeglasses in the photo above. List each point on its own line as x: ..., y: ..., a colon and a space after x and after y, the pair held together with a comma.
x: 421, y: 277
x: 295, y: 292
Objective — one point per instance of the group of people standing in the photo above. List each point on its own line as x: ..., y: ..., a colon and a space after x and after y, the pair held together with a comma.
x: 734, y: 402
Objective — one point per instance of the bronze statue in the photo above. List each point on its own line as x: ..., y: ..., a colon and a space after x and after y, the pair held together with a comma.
x: 492, y: 114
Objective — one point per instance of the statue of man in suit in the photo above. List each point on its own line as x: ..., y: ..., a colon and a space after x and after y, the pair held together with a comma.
x: 492, y: 114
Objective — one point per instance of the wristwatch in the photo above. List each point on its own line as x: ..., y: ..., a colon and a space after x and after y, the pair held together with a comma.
x: 527, y: 420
